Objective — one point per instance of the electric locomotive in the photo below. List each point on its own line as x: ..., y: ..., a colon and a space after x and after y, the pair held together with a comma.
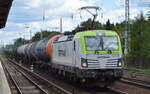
x: 94, y: 55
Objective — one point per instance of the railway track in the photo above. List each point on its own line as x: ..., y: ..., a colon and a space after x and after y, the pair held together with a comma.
x: 108, y: 90
x: 93, y: 90
x: 116, y: 91
x: 21, y: 80
x: 40, y: 82
x: 137, y: 70
x: 136, y: 82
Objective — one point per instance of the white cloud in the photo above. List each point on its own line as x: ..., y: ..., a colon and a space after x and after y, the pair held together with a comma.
x: 8, y: 37
x: 29, y: 13
x: 120, y: 3
x: 145, y: 1
x: 118, y: 15
x: 17, y: 30
x: 132, y: 3
x: 34, y: 3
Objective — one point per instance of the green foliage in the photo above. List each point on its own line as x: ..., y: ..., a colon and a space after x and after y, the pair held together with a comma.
x: 137, y: 34
x: 140, y: 42
x: 108, y: 25
x: 119, y: 27
x: 20, y: 41
x: 145, y: 45
x: 142, y: 71
x: 45, y: 34
x: 86, y: 25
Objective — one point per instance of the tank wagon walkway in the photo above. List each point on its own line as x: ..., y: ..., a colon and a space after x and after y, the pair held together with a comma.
x: 4, y: 87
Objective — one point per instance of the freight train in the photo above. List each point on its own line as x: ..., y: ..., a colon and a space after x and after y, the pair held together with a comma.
x: 94, y: 55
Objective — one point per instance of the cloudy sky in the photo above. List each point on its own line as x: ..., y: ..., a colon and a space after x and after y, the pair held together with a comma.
x: 29, y: 13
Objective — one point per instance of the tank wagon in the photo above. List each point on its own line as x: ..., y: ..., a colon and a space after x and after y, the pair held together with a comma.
x: 94, y: 55
x: 40, y: 50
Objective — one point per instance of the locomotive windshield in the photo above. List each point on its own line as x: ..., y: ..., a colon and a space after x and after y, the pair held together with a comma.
x: 101, y: 43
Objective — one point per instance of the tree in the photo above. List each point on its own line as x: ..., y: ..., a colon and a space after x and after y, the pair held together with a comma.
x: 45, y: 34
x: 86, y: 25
x: 20, y: 41
x: 109, y: 26
x: 136, y: 33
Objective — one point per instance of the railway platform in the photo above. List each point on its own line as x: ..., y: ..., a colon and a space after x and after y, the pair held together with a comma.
x: 4, y: 87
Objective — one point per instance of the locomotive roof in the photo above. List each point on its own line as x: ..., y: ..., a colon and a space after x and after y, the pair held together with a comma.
x: 94, y: 33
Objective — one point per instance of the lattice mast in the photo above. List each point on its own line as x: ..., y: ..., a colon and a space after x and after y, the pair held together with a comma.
x: 127, y: 26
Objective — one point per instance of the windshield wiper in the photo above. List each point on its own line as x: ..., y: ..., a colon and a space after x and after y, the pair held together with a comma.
x: 109, y: 51
x: 101, y: 43
x: 96, y: 51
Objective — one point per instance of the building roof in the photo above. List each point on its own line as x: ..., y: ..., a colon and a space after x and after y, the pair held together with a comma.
x: 4, y: 11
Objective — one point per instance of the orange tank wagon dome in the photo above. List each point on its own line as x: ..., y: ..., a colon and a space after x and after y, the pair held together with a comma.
x: 50, y: 43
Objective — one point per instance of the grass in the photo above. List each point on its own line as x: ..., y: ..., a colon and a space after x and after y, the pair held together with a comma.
x: 137, y: 70
x: 5, y: 56
x: 141, y: 71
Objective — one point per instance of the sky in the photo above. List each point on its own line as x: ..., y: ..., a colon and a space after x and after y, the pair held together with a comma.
x: 29, y: 13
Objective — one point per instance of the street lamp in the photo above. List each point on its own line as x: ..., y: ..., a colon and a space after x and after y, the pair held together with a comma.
x: 30, y: 32
x: 31, y: 66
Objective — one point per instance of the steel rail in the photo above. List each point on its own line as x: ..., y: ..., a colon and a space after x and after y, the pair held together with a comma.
x: 116, y: 91
x: 98, y: 89
x: 43, y: 79
x: 30, y: 80
x: 127, y: 81
x: 13, y: 80
x: 35, y: 84
x: 137, y: 80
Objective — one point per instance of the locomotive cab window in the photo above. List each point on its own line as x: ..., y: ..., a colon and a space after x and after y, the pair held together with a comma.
x: 101, y: 43
x: 64, y: 38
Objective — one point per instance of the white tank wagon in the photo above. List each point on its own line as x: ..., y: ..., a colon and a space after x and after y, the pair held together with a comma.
x: 39, y: 50
x: 21, y: 50
x: 32, y: 50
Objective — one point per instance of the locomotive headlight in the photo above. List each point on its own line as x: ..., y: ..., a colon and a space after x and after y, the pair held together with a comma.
x: 84, y: 62
x: 120, y: 63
